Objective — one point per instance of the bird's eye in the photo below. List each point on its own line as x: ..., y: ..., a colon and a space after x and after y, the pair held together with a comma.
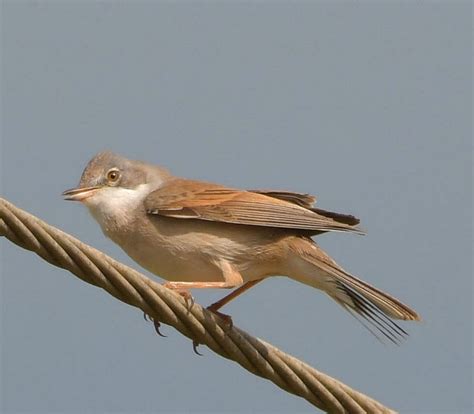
x: 113, y: 176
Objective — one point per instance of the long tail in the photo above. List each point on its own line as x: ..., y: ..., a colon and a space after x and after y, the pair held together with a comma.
x: 376, y: 308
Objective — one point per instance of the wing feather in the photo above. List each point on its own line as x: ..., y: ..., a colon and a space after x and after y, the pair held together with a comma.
x: 188, y: 199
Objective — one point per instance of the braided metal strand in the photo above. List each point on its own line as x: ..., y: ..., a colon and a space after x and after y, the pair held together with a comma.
x: 198, y: 324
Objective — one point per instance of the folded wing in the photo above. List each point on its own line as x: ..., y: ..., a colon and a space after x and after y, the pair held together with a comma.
x: 307, y: 201
x: 188, y: 199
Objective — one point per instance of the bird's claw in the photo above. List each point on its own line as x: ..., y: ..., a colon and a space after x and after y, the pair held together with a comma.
x: 195, y: 348
x: 156, y: 324
x: 226, y: 318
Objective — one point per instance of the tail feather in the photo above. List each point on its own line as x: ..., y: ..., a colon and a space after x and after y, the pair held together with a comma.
x: 359, y: 306
x: 372, y: 307
x: 387, y: 304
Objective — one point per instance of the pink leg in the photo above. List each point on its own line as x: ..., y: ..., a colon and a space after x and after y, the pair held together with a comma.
x: 214, y: 308
x: 197, y: 285
x: 226, y: 299
x: 232, y: 278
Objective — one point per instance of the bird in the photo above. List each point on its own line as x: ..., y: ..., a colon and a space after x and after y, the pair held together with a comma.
x: 197, y: 234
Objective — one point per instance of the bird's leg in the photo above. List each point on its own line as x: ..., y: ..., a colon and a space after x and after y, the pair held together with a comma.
x: 182, y: 288
x: 214, y: 308
x: 232, y: 295
x: 232, y: 278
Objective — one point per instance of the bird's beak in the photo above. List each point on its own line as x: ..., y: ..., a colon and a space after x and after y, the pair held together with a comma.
x: 80, y: 194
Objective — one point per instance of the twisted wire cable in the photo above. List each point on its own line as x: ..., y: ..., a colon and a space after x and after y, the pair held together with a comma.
x: 163, y: 305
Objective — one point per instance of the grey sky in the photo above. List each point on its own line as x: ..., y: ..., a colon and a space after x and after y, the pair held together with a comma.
x: 366, y: 105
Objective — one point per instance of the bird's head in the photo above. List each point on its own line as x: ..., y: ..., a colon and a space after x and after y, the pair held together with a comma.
x: 111, y: 186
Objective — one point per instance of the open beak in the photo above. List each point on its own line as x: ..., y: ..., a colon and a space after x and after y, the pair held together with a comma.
x: 80, y: 194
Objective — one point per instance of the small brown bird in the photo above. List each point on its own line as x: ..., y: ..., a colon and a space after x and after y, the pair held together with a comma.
x: 201, y: 235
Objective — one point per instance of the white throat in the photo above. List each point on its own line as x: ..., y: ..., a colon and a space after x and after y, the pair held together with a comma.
x: 115, y: 207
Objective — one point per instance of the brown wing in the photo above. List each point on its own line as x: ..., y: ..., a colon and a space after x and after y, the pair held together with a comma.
x: 307, y: 201
x: 187, y: 199
x: 303, y: 200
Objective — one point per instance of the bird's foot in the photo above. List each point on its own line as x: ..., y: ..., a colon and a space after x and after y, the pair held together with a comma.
x: 226, y: 318
x: 184, y: 293
x: 227, y: 321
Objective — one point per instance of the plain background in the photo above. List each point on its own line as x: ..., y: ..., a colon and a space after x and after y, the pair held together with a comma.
x: 367, y: 105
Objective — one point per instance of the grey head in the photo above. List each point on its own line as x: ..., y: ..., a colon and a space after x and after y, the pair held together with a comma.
x: 113, y: 188
x: 107, y: 169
